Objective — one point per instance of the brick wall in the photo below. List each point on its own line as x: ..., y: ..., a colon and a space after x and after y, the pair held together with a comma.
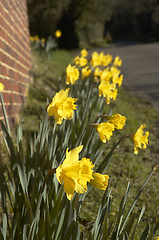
x: 15, y: 56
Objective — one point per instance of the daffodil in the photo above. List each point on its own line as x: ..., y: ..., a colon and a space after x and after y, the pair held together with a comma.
x: 86, y: 71
x: 106, y: 75
x: 99, y: 181
x: 95, y: 60
x: 72, y: 74
x: 97, y: 72
x: 82, y: 61
x: 84, y: 53
x: 36, y: 38
x: 118, y: 80
x: 31, y: 38
x: 75, y: 174
x: 105, y: 130
x: 117, y: 120
x: 140, y: 139
x: 115, y: 71
x: 1, y: 87
x: 76, y: 60
x: 117, y: 61
x: 108, y: 91
x: 62, y: 106
x: 58, y: 33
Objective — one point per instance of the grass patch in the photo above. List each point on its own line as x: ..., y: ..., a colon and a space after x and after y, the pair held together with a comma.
x: 125, y: 166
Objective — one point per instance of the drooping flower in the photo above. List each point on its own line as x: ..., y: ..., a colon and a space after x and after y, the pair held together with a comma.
x: 67, y: 172
x: 117, y: 120
x: 72, y: 74
x: 75, y: 174
x: 58, y: 33
x: 1, y: 87
x: 108, y: 91
x: 99, y: 181
x: 84, y: 53
x: 105, y: 130
x: 140, y: 139
x: 62, y: 106
x: 117, y: 61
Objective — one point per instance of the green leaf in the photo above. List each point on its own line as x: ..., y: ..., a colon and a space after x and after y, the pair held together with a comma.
x: 145, y: 233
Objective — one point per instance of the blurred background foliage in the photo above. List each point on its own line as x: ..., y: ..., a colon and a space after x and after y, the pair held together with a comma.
x: 87, y: 22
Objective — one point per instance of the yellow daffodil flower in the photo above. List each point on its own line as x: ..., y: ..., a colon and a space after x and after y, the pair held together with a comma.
x: 75, y: 174
x: 84, y: 53
x: 95, y: 60
x: 140, y: 139
x: 115, y: 71
x: 1, y: 87
x: 106, y: 75
x: 82, y: 61
x: 58, y: 33
x: 117, y: 61
x: 97, y: 72
x: 62, y: 106
x: 72, y: 74
x: 117, y: 120
x: 118, y: 80
x: 105, y: 130
x: 31, y: 38
x: 86, y: 71
x: 36, y: 38
x: 107, y: 90
x: 76, y: 60
x: 99, y: 181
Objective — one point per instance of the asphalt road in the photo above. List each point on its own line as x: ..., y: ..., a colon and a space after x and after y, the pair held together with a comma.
x: 140, y: 69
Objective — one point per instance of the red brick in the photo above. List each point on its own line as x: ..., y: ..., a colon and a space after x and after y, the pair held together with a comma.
x: 15, y: 55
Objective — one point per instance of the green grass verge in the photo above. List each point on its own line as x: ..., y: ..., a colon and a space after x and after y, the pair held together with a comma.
x: 125, y: 166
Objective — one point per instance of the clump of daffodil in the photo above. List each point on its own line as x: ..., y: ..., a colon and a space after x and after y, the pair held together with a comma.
x: 100, y: 59
x: 117, y: 61
x: 58, y: 33
x: 108, y: 91
x: 1, y: 87
x: 75, y: 174
x: 105, y: 129
x: 72, y: 74
x: 62, y: 106
x: 140, y: 139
